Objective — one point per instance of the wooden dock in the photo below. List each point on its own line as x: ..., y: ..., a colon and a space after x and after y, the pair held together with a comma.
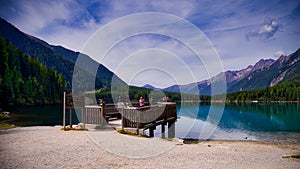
x: 148, y: 117
x: 132, y: 118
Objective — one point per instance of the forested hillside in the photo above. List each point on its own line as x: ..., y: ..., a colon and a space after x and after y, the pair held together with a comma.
x: 286, y: 91
x: 26, y: 81
x: 61, y: 59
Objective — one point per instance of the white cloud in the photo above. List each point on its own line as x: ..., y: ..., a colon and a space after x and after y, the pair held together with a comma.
x: 268, y: 30
x: 35, y: 16
x: 226, y: 23
x: 155, y: 23
x: 65, y: 23
x: 118, y: 8
x: 169, y: 68
x: 123, y: 51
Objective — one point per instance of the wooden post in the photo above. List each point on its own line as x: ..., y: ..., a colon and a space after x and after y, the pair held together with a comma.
x: 151, y: 131
x: 171, y: 129
x: 83, y: 113
x: 83, y: 117
x: 64, y: 111
x: 137, y: 123
x: 122, y: 118
x: 163, y: 135
x: 71, y: 122
x: 102, y: 112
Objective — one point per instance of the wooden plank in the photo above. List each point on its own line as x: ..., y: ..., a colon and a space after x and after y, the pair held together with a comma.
x: 64, y: 111
x: 71, y: 122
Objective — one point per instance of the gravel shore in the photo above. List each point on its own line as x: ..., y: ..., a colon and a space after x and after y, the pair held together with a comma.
x: 50, y: 147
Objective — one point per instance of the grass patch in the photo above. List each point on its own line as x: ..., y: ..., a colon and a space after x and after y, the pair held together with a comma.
x: 4, y: 126
x: 190, y: 141
x: 3, y: 117
x: 292, y: 156
x: 168, y: 139
x: 131, y: 133
x: 73, y: 129
x: 296, y: 156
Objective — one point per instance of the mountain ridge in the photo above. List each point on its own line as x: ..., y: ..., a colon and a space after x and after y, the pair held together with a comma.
x: 279, y: 69
x: 266, y: 72
x: 61, y: 59
x: 148, y: 86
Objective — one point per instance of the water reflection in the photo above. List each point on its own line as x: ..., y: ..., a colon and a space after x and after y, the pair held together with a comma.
x: 263, y: 116
x: 240, y: 119
x: 49, y: 115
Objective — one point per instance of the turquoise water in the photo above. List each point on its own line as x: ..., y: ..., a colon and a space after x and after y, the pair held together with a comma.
x: 251, y: 116
x: 241, y: 121
x: 251, y: 121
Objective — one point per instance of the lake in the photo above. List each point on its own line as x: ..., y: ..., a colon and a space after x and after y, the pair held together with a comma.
x: 239, y: 121
x: 242, y: 121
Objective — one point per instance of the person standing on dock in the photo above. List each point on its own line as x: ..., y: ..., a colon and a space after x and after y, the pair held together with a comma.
x: 142, y: 101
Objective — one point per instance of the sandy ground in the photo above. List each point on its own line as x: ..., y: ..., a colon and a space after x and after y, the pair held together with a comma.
x: 49, y: 147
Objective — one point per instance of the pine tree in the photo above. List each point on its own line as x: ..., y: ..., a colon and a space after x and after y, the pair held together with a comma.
x: 25, y: 81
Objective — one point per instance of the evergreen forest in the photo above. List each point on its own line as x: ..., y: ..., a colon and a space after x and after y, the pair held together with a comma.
x: 285, y: 91
x: 26, y: 81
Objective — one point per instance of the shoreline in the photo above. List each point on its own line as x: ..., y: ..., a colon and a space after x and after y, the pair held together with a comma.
x: 280, y: 136
x: 50, y: 147
x: 236, y: 101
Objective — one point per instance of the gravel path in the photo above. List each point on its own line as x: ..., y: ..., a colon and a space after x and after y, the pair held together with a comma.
x: 49, y: 147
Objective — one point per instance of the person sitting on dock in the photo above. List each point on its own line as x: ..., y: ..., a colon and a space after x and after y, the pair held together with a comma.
x: 142, y: 101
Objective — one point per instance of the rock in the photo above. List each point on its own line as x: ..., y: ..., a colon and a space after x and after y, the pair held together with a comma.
x: 6, y: 113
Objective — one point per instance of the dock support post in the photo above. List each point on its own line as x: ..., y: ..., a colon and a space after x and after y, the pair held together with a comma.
x: 122, y: 118
x: 163, y: 135
x: 171, y: 129
x: 83, y: 117
x: 151, y: 131
x: 71, y: 122
x: 102, y: 111
x: 64, y: 111
x: 83, y: 112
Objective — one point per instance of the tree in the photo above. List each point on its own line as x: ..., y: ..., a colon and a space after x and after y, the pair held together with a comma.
x: 25, y: 81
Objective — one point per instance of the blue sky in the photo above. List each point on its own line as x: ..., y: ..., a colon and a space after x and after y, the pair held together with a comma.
x: 242, y: 32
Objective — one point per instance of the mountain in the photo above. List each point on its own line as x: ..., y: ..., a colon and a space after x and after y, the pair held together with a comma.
x: 283, y: 69
x: 202, y: 87
x: 232, y: 77
x: 148, y: 86
x: 266, y: 72
x: 57, y: 57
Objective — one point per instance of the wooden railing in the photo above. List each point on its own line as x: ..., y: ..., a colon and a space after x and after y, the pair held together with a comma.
x: 148, y: 116
x: 100, y: 115
x: 132, y: 117
x: 92, y: 115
